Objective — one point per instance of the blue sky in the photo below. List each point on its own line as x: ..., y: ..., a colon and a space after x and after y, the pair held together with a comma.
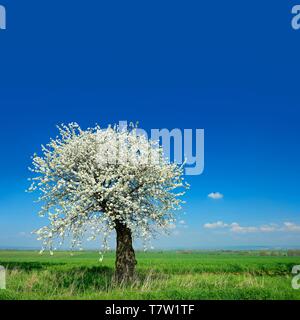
x: 230, y: 69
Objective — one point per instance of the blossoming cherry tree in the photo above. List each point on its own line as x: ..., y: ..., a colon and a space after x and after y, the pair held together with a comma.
x: 97, y: 182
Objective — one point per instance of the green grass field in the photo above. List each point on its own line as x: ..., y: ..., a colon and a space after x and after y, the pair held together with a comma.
x: 160, y: 275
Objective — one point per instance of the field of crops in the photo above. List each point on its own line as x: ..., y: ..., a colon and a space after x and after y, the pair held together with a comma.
x: 160, y: 275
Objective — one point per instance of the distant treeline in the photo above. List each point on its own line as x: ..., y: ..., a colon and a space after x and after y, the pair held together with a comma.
x: 266, y: 252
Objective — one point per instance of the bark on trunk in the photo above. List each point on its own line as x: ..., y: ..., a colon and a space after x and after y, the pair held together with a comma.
x: 125, y: 255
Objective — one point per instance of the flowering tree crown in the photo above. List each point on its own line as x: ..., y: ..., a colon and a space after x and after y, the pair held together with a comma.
x: 92, y: 179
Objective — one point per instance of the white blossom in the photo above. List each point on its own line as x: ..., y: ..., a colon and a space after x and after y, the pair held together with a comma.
x: 89, y: 179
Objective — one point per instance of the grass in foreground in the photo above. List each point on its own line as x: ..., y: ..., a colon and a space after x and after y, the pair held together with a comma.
x: 160, y: 275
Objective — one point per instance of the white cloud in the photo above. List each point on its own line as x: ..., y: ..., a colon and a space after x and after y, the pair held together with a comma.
x: 237, y: 228
x: 171, y: 226
x: 268, y: 228
x: 182, y: 224
x: 215, y: 225
x: 216, y: 195
x: 290, y: 226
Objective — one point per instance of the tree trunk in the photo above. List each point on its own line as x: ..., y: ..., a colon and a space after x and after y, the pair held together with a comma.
x: 125, y: 256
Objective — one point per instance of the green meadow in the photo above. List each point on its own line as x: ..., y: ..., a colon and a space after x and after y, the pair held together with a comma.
x: 160, y: 275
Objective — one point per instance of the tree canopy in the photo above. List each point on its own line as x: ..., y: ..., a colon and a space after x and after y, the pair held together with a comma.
x: 91, y: 180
